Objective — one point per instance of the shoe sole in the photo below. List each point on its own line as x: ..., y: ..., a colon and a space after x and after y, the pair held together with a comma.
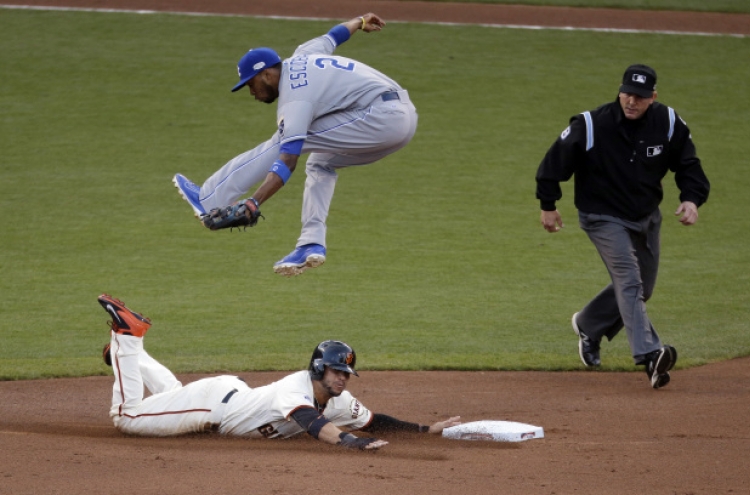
x: 580, y: 342
x: 114, y: 307
x: 293, y: 269
x: 666, y: 362
x: 659, y: 381
x: 198, y: 213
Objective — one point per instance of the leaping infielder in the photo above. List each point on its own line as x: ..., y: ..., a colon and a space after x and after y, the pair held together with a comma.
x: 341, y: 111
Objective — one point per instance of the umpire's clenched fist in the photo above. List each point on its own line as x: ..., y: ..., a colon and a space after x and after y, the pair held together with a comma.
x: 551, y: 221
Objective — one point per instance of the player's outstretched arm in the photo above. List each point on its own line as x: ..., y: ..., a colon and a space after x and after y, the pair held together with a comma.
x: 276, y: 178
x: 330, y: 433
x: 367, y: 23
x: 320, y: 427
x: 382, y: 422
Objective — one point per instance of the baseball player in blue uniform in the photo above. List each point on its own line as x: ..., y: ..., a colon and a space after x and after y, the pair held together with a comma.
x: 340, y: 111
x: 314, y: 400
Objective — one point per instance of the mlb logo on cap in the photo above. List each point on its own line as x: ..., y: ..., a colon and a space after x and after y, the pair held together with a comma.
x: 639, y: 80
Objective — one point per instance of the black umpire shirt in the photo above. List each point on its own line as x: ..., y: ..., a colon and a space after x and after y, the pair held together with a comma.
x: 619, y: 163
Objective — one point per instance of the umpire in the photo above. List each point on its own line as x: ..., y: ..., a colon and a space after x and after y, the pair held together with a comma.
x: 619, y: 153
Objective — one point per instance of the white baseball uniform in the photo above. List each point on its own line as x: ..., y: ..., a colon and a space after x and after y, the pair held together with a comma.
x: 346, y: 112
x: 223, y: 403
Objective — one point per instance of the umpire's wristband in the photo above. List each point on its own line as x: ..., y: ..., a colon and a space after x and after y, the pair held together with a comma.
x: 279, y: 168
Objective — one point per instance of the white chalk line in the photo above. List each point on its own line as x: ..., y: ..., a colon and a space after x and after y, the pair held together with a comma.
x: 293, y: 18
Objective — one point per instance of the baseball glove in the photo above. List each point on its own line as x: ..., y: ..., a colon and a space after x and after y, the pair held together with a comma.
x: 243, y: 214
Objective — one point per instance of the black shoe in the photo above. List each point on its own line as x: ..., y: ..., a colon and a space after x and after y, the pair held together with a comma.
x: 588, y: 349
x: 658, y: 364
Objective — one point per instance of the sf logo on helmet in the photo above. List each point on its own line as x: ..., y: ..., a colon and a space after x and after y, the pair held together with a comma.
x: 349, y: 358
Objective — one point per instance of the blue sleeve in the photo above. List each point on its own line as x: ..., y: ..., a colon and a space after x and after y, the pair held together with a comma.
x: 292, y: 147
x: 339, y: 33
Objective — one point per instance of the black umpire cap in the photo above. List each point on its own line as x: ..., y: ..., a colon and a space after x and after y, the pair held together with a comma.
x: 639, y: 80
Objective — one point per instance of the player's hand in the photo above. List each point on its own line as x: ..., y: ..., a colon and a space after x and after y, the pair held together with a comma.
x: 346, y: 439
x: 372, y: 23
x: 689, y: 213
x: 437, y: 428
x: 376, y: 445
x: 551, y: 221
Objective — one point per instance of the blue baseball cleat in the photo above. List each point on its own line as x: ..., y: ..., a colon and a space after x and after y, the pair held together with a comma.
x: 190, y: 192
x: 299, y: 260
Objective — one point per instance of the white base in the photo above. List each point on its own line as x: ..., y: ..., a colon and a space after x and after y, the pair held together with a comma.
x: 496, y: 431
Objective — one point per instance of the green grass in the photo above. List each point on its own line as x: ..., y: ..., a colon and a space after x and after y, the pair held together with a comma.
x: 731, y: 6
x: 436, y: 259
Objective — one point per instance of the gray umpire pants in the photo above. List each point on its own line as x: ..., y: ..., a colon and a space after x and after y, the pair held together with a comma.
x: 337, y: 140
x: 630, y: 251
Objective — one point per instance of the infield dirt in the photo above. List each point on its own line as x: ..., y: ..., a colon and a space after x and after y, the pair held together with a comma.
x: 605, y: 433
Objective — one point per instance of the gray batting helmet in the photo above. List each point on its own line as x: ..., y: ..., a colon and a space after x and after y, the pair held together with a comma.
x: 334, y: 354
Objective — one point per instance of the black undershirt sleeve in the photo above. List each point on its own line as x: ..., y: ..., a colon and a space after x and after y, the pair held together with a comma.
x: 383, y: 422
